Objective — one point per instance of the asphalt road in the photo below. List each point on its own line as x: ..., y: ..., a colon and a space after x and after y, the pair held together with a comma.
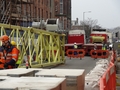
x: 86, y: 63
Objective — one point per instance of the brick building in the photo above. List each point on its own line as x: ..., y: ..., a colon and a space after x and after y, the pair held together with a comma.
x: 15, y: 12
x: 64, y: 13
x: 24, y: 12
x: 43, y: 9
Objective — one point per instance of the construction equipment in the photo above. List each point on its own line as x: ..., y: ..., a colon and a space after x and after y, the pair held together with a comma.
x: 39, y: 25
x: 77, y: 36
x: 43, y: 48
x: 98, y: 36
x: 53, y: 25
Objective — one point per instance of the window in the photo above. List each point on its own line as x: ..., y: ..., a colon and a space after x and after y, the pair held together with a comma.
x: 46, y: 14
x: 50, y: 3
x: 61, y: 8
x: 100, y: 30
x: 61, y: 1
x: 42, y: 13
x: 116, y: 34
x: 24, y: 9
x: 35, y: 12
x: 50, y: 14
x: 47, y: 3
x: 39, y: 12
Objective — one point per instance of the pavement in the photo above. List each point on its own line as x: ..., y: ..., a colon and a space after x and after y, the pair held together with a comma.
x: 86, y: 63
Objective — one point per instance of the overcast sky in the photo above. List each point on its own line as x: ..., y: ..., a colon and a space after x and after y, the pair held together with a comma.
x: 107, y: 12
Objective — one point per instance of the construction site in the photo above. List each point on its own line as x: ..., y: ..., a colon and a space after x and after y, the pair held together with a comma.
x: 51, y: 55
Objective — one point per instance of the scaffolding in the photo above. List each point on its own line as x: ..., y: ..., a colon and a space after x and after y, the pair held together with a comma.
x: 16, y: 12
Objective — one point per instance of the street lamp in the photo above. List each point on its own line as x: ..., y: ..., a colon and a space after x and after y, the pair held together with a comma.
x: 84, y: 17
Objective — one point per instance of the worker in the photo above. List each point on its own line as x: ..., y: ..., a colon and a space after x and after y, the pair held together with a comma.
x: 18, y: 62
x: 75, y: 47
x: 104, y: 46
x: 8, y: 53
x: 95, y: 46
x: 19, y: 58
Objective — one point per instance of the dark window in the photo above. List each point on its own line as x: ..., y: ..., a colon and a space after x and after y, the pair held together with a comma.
x: 50, y: 14
x: 100, y: 30
x: 116, y: 34
x: 39, y: 12
x: 50, y: 3
x: 42, y: 13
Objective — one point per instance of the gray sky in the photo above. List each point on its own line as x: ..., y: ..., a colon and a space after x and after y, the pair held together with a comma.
x: 107, y: 12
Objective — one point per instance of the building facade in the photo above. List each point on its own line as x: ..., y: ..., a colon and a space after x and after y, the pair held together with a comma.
x: 63, y: 11
x: 24, y: 12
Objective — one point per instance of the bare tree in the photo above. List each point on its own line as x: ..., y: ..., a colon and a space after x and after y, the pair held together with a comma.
x: 88, y: 25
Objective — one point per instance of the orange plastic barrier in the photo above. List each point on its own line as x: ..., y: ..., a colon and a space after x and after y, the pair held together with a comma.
x: 108, y: 80
x: 99, y: 53
x: 81, y: 53
x: 70, y: 52
x: 114, y: 55
x: 75, y: 53
x: 93, y: 53
x: 105, y: 53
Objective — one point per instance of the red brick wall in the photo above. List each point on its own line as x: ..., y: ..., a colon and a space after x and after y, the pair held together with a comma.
x: 43, y: 9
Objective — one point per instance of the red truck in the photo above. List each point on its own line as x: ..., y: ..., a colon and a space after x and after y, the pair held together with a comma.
x: 97, y: 36
x: 75, y: 36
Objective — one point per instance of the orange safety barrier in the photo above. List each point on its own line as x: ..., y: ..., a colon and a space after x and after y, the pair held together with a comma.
x: 81, y: 53
x: 114, y: 55
x: 75, y: 53
x: 93, y: 53
x: 99, y: 53
x: 105, y: 53
x: 108, y: 80
x: 70, y: 52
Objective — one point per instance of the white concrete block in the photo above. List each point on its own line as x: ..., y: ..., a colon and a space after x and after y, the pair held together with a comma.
x: 75, y: 77
x: 36, y: 83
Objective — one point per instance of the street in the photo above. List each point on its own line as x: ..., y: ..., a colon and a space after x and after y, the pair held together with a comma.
x: 86, y: 63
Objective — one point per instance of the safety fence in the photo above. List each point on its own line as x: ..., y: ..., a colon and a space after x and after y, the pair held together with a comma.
x: 75, y: 53
x: 41, y: 48
x: 108, y: 80
x: 99, y: 53
x: 103, y: 75
x: 80, y: 53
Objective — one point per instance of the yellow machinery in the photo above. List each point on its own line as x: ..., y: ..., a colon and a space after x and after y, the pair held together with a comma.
x: 98, y: 38
x: 41, y: 48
